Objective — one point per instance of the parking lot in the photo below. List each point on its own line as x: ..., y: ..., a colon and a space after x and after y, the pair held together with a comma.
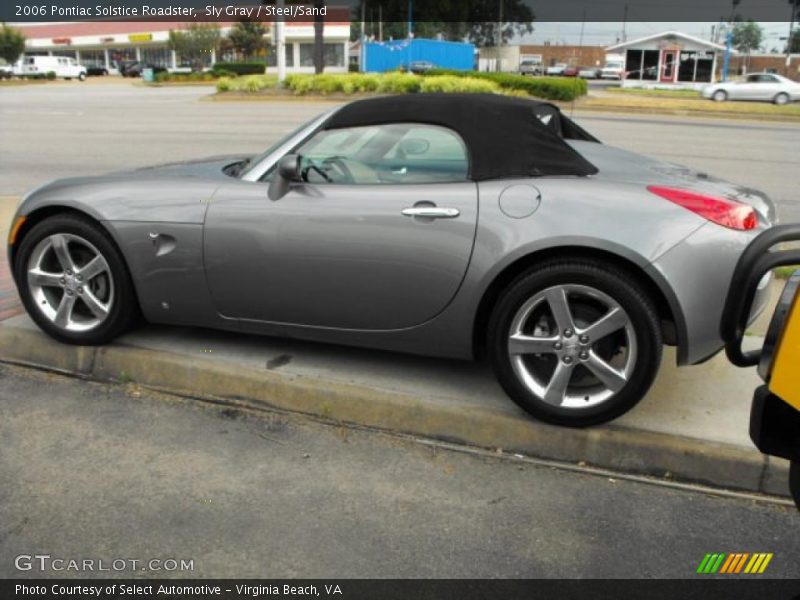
x: 257, y: 490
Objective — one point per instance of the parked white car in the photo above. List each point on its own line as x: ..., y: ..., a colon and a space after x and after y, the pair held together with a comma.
x: 767, y: 87
x: 614, y: 67
x: 556, y: 69
x: 62, y: 66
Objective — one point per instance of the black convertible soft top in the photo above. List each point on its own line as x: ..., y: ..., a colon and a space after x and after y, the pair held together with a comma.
x: 506, y: 136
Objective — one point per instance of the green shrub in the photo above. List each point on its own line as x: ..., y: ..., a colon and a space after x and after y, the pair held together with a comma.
x: 51, y: 75
x: 243, y: 68
x: 452, y: 85
x: 550, y: 88
x: 250, y: 83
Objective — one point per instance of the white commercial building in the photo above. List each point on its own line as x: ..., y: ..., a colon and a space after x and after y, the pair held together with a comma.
x: 107, y: 43
x: 670, y: 59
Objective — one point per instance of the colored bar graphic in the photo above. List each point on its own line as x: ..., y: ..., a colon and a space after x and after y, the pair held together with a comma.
x: 734, y: 563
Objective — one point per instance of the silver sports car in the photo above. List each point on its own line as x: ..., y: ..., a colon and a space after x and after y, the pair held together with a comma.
x: 444, y: 225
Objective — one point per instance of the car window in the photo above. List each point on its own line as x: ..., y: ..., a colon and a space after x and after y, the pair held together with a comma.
x: 384, y: 154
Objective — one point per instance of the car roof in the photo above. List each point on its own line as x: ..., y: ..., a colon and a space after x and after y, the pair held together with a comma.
x: 506, y: 137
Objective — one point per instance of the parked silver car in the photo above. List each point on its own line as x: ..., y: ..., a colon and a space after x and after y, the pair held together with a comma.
x: 766, y: 87
x: 443, y: 225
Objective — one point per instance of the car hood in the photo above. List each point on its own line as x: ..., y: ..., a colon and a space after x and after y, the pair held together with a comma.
x: 616, y: 164
x: 213, y: 166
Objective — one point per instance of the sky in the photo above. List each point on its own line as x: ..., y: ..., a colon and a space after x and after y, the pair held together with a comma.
x: 607, y: 33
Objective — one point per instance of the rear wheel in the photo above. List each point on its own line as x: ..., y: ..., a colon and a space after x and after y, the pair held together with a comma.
x: 82, y: 76
x: 74, y: 282
x: 781, y: 99
x: 719, y: 96
x: 575, y: 342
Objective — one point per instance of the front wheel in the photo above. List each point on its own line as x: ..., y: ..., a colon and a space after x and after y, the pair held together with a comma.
x: 575, y: 343
x: 73, y: 281
x: 719, y: 96
x: 82, y: 76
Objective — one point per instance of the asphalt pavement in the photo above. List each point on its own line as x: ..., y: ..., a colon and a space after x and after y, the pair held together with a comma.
x: 92, y: 471
x: 75, y: 128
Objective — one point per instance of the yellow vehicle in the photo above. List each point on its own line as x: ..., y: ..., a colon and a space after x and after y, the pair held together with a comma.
x: 775, y: 415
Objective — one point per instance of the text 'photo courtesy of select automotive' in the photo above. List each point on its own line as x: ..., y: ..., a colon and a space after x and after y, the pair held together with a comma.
x: 393, y: 299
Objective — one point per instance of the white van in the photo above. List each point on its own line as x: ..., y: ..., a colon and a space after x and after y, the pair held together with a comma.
x: 62, y: 66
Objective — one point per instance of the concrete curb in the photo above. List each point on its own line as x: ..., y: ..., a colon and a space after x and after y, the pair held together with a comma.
x: 611, y: 447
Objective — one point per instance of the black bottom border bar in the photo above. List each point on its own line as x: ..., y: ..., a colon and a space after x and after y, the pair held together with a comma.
x: 734, y: 587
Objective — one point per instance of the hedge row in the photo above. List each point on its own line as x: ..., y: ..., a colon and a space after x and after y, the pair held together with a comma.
x: 388, y: 83
x: 550, y: 88
x: 243, y: 68
x: 249, y: 83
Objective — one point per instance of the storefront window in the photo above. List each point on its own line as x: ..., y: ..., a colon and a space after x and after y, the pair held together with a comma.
x: 158, y: 56
x: 93, y: 58
x: 642, y: 64
x: 205, y: 61
x: 272, y: 56
x: 334, y: 55
x: 117, y: 55
x: 695, y: 66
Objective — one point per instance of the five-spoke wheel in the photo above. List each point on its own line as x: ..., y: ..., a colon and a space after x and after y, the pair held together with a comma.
x: 575, y: 343
x: 73, y: 281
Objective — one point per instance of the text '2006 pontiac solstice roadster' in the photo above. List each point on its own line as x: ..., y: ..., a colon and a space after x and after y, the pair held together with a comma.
x: 442, y: 225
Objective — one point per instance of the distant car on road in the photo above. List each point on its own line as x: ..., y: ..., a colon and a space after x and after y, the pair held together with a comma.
x: 530, y: 67
x: 95, y: 71
x: 556, y: 69
x: 421, y: 66
x: 588, y: 72
x: 764, y: 87
x: 411, y: 223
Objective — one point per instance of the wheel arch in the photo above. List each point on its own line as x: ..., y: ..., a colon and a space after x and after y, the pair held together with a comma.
x: 670, y: 314
x: 41, y: 213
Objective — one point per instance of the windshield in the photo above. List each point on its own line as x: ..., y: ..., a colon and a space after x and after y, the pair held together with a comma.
x: 252, y: 162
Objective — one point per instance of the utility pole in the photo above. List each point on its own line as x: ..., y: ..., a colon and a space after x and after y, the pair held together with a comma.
x: 410, y: 19
x: 380, y: 22
x: 280, y: 43
x: 363, y: 40
x: 625, y: 24
x: 791, y: 35
x: 499, y: 34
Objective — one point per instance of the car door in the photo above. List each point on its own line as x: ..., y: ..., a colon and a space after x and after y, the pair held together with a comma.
x: 377, y: 235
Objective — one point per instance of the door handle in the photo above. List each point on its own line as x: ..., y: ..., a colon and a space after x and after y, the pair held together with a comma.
x: 431, y: 212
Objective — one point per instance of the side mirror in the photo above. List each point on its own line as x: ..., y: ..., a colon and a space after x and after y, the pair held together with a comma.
x: 288, y: 171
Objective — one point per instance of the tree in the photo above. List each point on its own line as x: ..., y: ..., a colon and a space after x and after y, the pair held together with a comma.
x: 319, y: 39
x: 747, y: 36
x: 194, y: 42
x: 12, y: 44
x: 455, y: 20
x: 247, y: 38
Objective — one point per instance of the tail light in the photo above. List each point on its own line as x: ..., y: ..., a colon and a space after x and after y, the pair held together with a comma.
x: 722, y: 211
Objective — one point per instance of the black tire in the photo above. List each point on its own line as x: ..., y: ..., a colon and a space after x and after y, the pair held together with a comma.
x: 719, y: 96
x: 794, y: 482
x: 82, y: 76
x: 781, y: 99
x: 124, y: 308
x: 616, y: 285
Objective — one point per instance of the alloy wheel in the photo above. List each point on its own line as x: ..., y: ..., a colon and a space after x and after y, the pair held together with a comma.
x: 70, y: 282
x: 573, y: 346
